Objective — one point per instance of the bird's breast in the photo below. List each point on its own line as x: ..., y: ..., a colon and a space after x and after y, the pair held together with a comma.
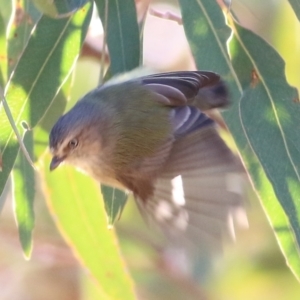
x: 98, y: 169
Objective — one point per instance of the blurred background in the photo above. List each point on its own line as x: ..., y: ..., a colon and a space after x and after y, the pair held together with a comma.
x: 251, y: 268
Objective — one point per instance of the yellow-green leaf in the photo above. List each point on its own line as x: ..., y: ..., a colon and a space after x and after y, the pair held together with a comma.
x: 77, y: 205
x: 41, y: 71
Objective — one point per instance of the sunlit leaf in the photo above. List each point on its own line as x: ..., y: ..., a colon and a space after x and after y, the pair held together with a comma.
x: 43, y: 68
x: 261, y: 117
x: 296, y: 7
x: 55, y: 110
x: 25, y: 18
x: 5, y: 15
x: 91, y: 289
x: 23, y: 173
x: 78, y: 209
x: 59, y: 8
x: 81, y: 218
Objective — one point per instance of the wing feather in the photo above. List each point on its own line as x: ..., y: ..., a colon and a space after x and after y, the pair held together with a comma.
x: 199, y: 88
x: 198, y: 207
x: 186, y: 186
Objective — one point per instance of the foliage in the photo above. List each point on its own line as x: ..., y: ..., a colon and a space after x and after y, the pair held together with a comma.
x: 40, y: 45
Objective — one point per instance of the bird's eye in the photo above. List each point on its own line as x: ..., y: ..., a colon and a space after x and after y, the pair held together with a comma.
x: 73, y: 143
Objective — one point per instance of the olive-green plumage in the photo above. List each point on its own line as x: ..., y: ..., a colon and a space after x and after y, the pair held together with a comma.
x: 143, y: 124
x: 150, y: 136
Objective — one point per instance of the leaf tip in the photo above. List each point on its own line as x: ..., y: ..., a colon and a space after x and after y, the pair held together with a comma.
x: 27, y: 250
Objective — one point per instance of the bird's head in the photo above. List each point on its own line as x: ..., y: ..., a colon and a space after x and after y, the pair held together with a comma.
x: 74, y: 138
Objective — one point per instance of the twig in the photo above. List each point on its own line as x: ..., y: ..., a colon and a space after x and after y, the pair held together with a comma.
x: 167, y: 15
x: 14, y: 127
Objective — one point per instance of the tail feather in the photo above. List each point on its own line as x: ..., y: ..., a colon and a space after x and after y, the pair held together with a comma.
x: 215, y: 96
x: 195, y: 196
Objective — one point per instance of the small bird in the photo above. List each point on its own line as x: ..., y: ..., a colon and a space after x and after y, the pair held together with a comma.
x: 150, y: 136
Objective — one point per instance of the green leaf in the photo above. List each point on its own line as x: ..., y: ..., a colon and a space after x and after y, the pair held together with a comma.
x: 6, y: 11
x: 23, y: 173
x: 5, y: 15
x: 24, y: 192
x: 55, y: 110
x: 58, y: 8
x: 25, y: 18
x: 119, y: 21
x: 44, y: 66
x: 91, y: 289
x: 269, y: 110
x: 207, y: 35
x: 114, y: 201
x: 296, y: 7
x: 261, y: 121
x: 79, y: 212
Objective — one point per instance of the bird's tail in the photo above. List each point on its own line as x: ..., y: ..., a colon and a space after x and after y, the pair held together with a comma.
x: 198, y: 192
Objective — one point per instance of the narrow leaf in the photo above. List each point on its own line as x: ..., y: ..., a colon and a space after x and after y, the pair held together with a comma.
x: 58, y: 8
x: 24, y: 192
x: 269, y: 110
x: 44, y: 66
x: 114, y: 200
x: 91, y: 289
x: 79, y: 211
x: 207, y: 34
x: 56, y: 109
x: 6, y: 12
x: 24, y: 19
x: 119, y: 21
x: 261, y: 123
x: 23, y: 173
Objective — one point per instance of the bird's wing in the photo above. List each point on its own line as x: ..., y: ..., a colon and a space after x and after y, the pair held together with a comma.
x: 198, y: 189
x: 174, y: 90
x: 199, y: 88
x: 191, y: 189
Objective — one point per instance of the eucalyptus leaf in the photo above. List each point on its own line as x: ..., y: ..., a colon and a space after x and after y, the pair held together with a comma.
x: 25, y: 18
x: 119, y: 21
x: 24, y: 192
x: 41, y: 71
x: 79, y: 212
x: 262, y: 116
x: 59, y: 8
x: 115, y: 201
x: 6, y: 13
x: 269, y: 110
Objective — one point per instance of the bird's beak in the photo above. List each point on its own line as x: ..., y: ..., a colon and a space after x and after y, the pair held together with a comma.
x: 55, y: 162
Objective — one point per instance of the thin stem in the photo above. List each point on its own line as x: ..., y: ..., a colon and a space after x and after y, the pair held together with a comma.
x: 14, y: 127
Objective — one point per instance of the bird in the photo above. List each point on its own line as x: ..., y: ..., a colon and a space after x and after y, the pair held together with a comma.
x: 152, y: 136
